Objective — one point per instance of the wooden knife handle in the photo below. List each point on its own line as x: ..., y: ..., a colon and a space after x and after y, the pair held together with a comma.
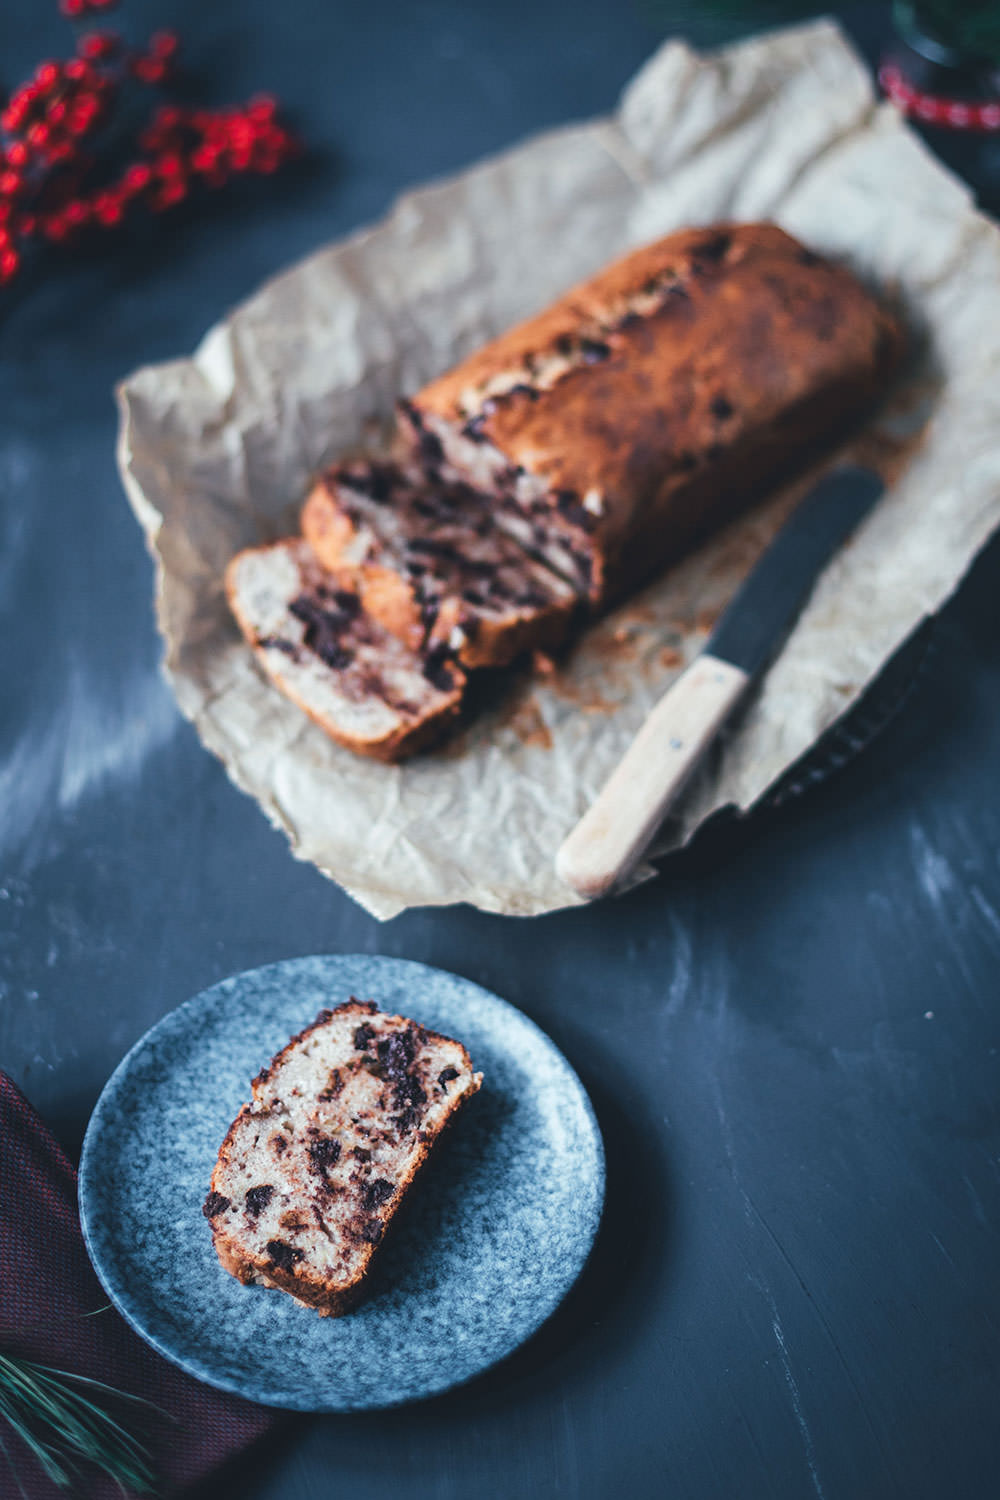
x: 611, y: 837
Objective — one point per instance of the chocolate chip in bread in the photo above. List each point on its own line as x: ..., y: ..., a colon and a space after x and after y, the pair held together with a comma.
x: 316, y: 1165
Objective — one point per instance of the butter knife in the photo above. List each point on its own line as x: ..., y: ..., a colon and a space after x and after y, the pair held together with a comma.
x: 611, y: 837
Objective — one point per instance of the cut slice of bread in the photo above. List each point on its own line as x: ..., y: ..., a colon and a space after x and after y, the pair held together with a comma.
x: 361, y: 684
x: 431, y: 565
x: 315, y: 1166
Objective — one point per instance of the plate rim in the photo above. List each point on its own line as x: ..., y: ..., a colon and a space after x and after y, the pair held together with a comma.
x: 199, y: 1370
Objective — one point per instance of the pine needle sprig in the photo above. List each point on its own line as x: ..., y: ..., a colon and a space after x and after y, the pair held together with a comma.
x: 63, y: 1420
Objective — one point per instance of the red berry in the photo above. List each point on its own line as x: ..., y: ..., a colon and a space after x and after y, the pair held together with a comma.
x: 72, y: 8
x: 77, y: 70
x: 168, y: 117
x: 11, y: 183
x: 168, y: 193
x: 98, y: 45
x: 149, y: 69
x: 76, y: 213
x: 9, y: 262
x: 163, y: 44
x: 20, y: 106
x: 39, y: 136
x: 53, y: 227
x: 204, y: 158
x: 47, y: 75
x: 108, y: 208
x: 17, y: 154
x: 136, y: 178
x: 82, y: 115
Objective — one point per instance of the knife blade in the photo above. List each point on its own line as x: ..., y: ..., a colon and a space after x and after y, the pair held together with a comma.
x: 613, y: 834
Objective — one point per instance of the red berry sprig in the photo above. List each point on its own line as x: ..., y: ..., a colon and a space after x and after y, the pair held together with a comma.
x: 50, y: 180
x: 74, y: 9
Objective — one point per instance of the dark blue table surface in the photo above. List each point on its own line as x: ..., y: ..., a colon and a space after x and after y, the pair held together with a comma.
x: 791, y: 1040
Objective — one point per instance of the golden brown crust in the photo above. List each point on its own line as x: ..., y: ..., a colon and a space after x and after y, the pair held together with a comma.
x: 496, y: 645
x: 748, y: 351
x: 327, y: 530
x: 329, y: 1304
x: 407, y: 739
x: 588, y: 304
x: 310, y: 1289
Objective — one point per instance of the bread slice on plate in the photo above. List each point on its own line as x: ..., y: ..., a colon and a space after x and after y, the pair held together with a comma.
x: 360, y: 683
x: 315, y: 1166
x: 431, y: 565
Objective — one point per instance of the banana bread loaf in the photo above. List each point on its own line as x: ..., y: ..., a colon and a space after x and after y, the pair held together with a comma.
x: 557, y: 469
x: 650, y: 404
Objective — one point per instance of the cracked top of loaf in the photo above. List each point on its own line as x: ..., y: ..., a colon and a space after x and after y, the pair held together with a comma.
x: 733, y: 339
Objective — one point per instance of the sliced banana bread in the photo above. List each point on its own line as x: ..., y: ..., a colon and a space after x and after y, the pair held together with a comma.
x: 360, y: 683
x: 431, y: 565
x: 316, y: 1165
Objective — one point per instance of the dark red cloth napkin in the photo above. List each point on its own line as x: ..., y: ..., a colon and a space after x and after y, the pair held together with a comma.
x: 47, y: 1284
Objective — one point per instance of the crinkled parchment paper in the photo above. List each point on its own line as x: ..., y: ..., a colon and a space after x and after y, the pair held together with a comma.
x: 216, y: 452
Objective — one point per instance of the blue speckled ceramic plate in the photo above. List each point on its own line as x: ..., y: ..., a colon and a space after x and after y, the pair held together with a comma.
x: 496, y: 1232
